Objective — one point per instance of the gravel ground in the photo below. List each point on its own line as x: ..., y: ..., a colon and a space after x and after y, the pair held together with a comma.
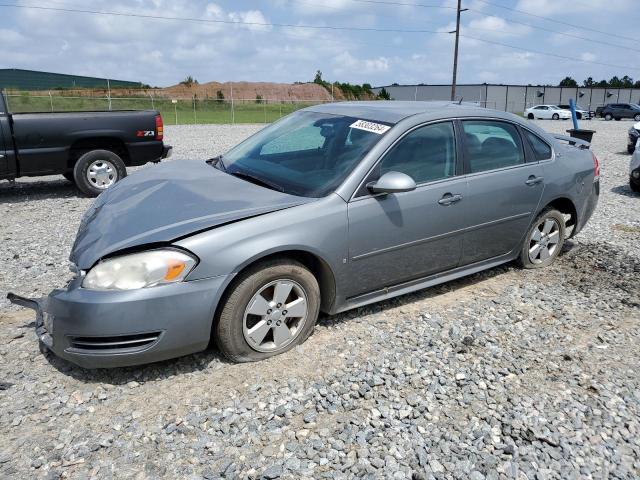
x: 504, y: 374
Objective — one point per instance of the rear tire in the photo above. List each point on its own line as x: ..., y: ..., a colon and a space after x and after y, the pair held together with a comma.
x: 555, y: 116
x: 637, y: 117
x: 631, y: 149
x: 634, y: 186
x: 544, y: 240
x: 97, y: 170
x: 274, y: 331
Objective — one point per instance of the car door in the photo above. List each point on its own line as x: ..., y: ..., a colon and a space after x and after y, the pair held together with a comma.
x: 543, y: 112
x: 503, y: 189
x: 403, y: 236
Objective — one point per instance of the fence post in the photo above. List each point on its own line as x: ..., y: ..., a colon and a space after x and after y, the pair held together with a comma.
x: 51, y: 100
x: 264, y: 105
x: 109, y: 93
x: 195, y: 117
x: 153, y: 107
x: 233, y: 112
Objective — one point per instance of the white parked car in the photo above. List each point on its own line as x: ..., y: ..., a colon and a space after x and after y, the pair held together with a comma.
x: 547, y: 112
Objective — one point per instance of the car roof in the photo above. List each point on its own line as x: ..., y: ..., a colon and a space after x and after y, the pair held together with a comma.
x: 393, y: 111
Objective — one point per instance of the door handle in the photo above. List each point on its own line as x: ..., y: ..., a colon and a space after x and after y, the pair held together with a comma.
x: 533, y: 180
x: 448, y: 199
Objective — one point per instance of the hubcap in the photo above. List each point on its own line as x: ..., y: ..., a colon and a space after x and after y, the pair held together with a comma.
x: 102, y: 174
x: 544, y: 240
x: 275, y: 316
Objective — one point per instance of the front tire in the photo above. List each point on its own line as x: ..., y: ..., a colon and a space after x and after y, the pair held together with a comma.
x: 634, y: 186
x: 530, y: 116
x: 555, y: 116
x: 270, y: 308
x: 97, y: 170
x: 544, y: 240
x: 608, y: 117
x: 637, y: 117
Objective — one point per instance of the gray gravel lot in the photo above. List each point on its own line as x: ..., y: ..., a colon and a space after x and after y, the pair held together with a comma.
x: 504, y: 374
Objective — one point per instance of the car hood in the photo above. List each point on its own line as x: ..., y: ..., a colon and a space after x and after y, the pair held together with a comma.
x: 162, y: 203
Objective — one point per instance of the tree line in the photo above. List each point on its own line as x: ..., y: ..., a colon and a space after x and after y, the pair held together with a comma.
x: 614, y: 82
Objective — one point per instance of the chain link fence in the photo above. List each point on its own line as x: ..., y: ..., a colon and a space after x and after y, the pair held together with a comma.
x: 174, y: 111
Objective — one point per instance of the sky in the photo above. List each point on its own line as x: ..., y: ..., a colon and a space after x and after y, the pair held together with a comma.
x: 163, y: 52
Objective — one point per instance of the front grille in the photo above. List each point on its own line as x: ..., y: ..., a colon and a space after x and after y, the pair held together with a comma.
x: 125, y: 343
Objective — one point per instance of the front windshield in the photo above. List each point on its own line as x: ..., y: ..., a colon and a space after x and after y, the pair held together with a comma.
x: 307, y: 153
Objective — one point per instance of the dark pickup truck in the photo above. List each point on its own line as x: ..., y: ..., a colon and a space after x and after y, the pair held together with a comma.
x: 91, y: 149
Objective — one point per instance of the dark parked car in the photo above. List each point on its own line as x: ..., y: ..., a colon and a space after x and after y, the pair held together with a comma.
x: 330, y: 208
x: 91, y: 149
x: 634, y: 135
x: 581, y: 113
x: 618, y: 111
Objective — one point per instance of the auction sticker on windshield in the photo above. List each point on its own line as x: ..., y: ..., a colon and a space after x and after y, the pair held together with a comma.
x: 370, y: 126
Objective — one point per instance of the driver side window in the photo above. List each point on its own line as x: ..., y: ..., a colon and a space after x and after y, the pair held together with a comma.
x: 426, y: 154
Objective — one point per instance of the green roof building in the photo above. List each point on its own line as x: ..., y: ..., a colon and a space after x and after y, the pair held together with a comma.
x: 17, y: 79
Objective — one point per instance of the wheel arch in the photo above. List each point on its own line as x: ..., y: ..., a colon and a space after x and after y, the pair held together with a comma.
x: 87, y: 144
x: 317, y: 265
x: 566, y: 206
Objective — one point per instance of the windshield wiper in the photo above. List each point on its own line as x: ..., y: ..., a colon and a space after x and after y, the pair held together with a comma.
x: 217, y: 162
x: 257, y: 180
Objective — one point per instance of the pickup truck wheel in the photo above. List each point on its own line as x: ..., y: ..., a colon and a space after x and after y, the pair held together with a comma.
x: 544, y: 240
x: 269, y: 309
x: 608, y: 117
x: 97, y: 170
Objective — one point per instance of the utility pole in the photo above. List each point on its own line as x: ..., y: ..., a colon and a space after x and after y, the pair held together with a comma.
x: 455, y: 52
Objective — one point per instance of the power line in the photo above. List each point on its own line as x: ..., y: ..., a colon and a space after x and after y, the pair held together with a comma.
x: 216, y: 21
x: 404, y: 4
x: 586, y: 39
x: 549, y: 54
x: 294, y: 26
x: 580, y: 27
x: 558, y: 32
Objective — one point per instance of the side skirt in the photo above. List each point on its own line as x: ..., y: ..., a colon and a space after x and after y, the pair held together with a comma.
x: 421, y: 283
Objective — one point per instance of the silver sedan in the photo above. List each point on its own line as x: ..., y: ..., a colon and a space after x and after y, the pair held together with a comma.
x: 333, y: 207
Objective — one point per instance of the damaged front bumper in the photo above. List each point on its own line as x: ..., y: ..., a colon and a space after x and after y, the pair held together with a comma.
x: 43, y: 320
x: 106, y: 329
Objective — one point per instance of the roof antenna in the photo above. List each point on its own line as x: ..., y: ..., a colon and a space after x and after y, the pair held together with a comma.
x: 460, y: 102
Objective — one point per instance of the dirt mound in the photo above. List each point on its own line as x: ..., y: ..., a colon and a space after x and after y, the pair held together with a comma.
x: 250, y: 90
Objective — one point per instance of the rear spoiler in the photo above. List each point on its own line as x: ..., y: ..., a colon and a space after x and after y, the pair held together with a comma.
x: 573, y: 141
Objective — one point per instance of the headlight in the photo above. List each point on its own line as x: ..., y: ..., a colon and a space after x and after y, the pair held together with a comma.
x: 139, y: 270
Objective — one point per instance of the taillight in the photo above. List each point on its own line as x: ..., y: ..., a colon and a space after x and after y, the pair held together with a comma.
x: 159, y: 127
x: 596, y: 166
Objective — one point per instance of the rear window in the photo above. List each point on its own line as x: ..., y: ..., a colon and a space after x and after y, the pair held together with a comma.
x: 541, y: 149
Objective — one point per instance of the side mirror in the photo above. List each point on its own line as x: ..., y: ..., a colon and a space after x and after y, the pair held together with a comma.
x: 392, y: 182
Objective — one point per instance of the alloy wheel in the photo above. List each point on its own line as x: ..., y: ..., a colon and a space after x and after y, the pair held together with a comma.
x: 102, y: 174
x: 544, y: 240
x: 275, y: 315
